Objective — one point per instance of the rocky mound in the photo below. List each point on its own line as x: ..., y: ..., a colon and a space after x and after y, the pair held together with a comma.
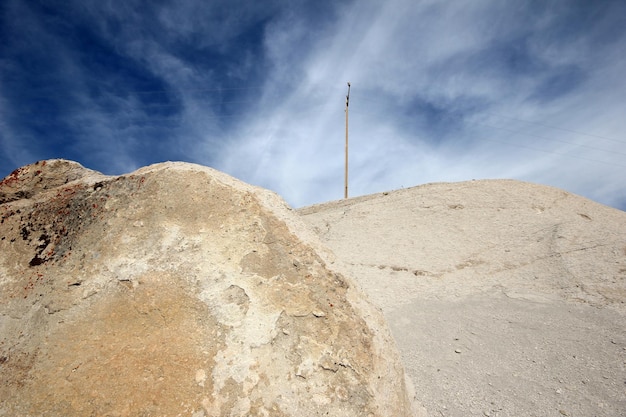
x: 505, y: 298
x: 177, y: 290
x: 481, y: 235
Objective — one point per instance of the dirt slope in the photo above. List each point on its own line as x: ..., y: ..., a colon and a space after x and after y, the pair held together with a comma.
x: 505, y: 298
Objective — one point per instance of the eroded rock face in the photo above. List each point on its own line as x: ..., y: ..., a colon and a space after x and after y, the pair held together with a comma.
x: 177, y: 290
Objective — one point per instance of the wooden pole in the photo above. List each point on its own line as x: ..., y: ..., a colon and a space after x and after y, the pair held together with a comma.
x: 345, y: 195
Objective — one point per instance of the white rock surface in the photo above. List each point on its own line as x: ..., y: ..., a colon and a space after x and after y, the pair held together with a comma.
x: 505, y: 298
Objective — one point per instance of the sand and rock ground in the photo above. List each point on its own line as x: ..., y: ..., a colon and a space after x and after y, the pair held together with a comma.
x: 505, y: 298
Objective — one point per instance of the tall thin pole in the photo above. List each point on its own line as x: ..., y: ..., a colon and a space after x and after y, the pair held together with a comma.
x: 345, y: 195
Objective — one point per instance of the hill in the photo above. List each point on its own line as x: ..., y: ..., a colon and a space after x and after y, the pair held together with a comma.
x: 177, y: 290
x: 505, y: 298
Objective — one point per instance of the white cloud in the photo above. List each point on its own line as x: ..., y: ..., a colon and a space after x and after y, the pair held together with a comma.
x: 441, y: 91
x: 454, y: 56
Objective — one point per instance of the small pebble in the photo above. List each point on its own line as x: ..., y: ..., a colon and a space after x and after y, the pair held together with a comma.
x: 457, y: 350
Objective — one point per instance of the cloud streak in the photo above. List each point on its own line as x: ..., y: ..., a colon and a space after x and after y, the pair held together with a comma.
x: 442, y: 91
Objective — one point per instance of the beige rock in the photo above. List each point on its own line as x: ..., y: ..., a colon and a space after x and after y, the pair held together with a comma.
x: 177, y: 290
x: 527, y: 282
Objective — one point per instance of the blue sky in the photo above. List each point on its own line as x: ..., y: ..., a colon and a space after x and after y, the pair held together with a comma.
x: 441, y: 90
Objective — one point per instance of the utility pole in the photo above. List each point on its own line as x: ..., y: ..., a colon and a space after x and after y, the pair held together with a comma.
x: 345, y: 195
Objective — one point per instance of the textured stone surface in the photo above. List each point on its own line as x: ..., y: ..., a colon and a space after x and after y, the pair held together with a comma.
x: 506, y: 298
x: 177, y: 290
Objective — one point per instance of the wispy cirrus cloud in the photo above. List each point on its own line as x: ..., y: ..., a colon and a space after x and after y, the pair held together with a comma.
x: 447, y: 91
x: 441, y: 91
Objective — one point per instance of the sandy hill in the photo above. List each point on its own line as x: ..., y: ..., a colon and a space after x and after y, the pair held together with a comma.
x: 505, y: 298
